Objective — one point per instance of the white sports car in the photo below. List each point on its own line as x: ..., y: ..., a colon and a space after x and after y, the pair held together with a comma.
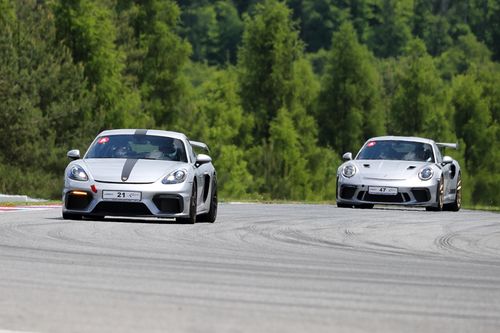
x: 135, y: 172
x: 402, y: 171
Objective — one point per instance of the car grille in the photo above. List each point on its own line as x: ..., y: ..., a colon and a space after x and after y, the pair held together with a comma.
x: 398, y: 198
x: 347, y: 192
x: 169, y: 204
x: 121, y: 209
x: 78, y: 202
x: 421, y: 194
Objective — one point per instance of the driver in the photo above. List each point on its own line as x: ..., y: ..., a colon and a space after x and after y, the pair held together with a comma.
x: 168, y: 150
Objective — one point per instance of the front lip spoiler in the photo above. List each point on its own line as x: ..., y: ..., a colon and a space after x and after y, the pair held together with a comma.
x: 123, y: 183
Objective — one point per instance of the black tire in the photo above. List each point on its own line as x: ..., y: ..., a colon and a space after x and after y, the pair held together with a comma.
x: 71, y: 216
x: 457, y: 204
x: 191, y: 219
x: 343, y: 205
x: 439, y: 198
x: 211, y: 216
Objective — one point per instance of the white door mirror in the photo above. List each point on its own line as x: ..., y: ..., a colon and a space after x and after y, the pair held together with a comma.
x: 73, y: 154
x: 447, y: 160
x: 203, y: 159
x: 347, y: 156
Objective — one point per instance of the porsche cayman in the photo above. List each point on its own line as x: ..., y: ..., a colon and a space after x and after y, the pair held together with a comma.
x: 141, y: 173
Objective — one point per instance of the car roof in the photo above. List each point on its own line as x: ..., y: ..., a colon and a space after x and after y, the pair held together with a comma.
x: 170, y: 134
x: 403, y: 138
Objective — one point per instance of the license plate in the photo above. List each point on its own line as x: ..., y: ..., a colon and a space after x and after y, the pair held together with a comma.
x: 382, y: 190
x: 121, y: 195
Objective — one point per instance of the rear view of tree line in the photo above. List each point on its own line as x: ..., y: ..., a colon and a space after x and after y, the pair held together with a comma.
x: 278, y: 89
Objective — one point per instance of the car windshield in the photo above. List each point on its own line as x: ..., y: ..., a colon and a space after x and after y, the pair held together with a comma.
x: 139, y: 147
x: 396, y: 150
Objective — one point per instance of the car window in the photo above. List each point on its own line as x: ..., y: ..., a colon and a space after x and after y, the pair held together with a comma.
x: 396, y: 150
x: 139, y: 147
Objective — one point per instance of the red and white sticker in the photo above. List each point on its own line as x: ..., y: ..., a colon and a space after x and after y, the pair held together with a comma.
x: 371, y: 143
x: 102, y: 140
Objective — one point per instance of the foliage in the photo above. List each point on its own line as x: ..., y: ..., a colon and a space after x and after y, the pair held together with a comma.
x: 277, y: 88
x: 349, y: 104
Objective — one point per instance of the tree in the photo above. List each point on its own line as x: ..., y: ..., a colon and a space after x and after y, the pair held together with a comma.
x: 475, y: 126
x: 286, y: 171
x: 45, y: 101
x: 390, y: 27
x: 87, y: 29
x: 214, y: 31
x: 265, y: 61
x: 464, y: 54
x: 349, y: 103
x: 164, y: 88
x: 418, y: 107
x: 225, y: 128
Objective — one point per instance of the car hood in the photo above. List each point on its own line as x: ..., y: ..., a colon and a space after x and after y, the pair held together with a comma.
x: 143, y: 171
x: 387, y: 169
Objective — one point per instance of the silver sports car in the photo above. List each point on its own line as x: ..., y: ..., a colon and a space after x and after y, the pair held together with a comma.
x: 130, y: 172
x: 402, y: 171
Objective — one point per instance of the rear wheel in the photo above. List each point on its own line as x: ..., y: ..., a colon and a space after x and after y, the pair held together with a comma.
x: 191, y: 219
x: 457, y: 204
x: 212, y: 213
x: 439, y: 197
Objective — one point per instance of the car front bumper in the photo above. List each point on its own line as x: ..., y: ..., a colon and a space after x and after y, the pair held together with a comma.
x: 411, y: 193
x: 156, y: 199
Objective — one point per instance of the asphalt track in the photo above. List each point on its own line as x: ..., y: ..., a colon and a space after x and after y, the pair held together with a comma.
x: 259, y: 268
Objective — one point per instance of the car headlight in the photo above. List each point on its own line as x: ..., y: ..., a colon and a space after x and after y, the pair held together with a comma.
x: 76, y: 172
x: 348, y: 170
x: 426, y: 173
x: 176, y: 177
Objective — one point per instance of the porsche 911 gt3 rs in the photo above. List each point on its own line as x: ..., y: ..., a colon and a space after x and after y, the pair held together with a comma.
x: 402, y: 171
x: 134, y: 172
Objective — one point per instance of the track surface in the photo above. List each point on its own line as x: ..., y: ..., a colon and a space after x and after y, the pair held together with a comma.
x: 259, y: 268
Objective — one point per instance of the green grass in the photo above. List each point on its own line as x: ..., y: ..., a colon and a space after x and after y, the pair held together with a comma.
x: 482, y: 207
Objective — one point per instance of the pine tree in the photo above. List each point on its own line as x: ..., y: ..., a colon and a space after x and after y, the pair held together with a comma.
x: 44, y: 98
x: 87, y: 29
x: 265, y: 61
x: 349, y: 104
x: 390, y: 28
x: 418, y: 106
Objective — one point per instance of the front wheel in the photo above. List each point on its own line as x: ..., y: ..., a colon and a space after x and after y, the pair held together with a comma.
x: 212, y: 213
x: 439, y: 198
x: 191, y: 219
x: 457, y: 204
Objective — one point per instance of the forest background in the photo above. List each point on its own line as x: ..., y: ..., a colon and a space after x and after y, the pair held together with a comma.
x: 278, y: 89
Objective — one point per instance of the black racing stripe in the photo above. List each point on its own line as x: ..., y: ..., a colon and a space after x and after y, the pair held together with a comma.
x: 141, y: 132
x: 127, y: 168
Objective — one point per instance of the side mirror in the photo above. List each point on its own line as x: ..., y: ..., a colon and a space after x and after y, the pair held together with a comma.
x: 73, y: 154
x: 447, y: 160
x: 347, y: 156
x: 203, y: 159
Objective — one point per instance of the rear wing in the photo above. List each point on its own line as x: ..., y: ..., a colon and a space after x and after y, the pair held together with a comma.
x: 447, y: 145
x: 200, y: 145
